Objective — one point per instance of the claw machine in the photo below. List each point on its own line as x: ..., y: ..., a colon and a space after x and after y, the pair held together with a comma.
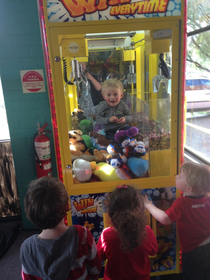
x: 141, y: 43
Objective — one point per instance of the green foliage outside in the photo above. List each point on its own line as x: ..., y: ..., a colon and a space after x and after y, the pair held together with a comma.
x: 198, y: 54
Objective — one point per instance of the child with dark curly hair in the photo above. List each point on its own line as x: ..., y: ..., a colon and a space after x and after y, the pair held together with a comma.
x: 129, y: 242
x: 59, y: 252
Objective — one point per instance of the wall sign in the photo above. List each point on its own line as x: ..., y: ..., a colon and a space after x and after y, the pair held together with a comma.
x: 32, y: 81
x: 90, y: 10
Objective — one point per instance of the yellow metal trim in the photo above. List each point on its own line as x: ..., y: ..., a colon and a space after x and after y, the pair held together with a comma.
x: 175, y: 129
x: 153, y: 71
x: 141, y: 183
x: 128, y: 55
x: 53, y: 41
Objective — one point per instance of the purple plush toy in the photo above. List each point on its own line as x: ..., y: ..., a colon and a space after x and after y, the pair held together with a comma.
x: 122, y: 134
x: 133, y: 151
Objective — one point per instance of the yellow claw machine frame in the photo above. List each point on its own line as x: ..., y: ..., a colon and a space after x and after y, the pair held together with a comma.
x: 143, y: 44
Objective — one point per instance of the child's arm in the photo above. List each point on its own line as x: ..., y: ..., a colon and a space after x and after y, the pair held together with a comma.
x: 157, y: 213
x: 93, y: 260
x: 101, y: 248
x: 100, y: 114
x: 96, y: 84
x: 127, y: 113
x: 28, y: 276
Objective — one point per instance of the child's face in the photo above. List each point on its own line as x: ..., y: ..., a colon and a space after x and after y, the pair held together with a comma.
x: 181, y: 182
x: 112, y: 96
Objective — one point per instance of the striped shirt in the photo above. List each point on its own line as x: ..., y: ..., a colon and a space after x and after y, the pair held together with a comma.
x: 73, y: 255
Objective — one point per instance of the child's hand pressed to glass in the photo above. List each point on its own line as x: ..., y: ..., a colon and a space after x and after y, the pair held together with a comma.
x: 147, y: 202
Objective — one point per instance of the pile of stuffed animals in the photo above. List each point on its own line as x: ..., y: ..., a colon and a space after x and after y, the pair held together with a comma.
x: 97, y: 159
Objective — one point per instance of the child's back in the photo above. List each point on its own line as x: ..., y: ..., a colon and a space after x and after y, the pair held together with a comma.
x: 192, y: 214
x: 59, y: 252
x: 60, y: 258
x: 128, y: 244
x: 126, y: 265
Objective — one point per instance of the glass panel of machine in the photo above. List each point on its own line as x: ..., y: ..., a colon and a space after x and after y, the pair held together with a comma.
x: 122, y: 130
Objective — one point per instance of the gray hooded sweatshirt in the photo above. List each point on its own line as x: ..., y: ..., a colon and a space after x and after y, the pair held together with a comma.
x: 50, y: 259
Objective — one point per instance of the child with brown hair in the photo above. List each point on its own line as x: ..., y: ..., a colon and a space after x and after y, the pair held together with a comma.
x: 192, y: 213
x: 129, y: 242
x: 59, y: 252
x: 113, y: 114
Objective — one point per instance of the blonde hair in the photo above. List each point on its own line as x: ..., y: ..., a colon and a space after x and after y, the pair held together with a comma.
x: 111, y: 83
x: 198, y: 177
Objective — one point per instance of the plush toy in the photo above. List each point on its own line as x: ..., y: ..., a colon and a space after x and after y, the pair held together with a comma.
x: 135, y: 149
x: 121, y: 161
x: 115, y: 158
x: 74, y: 122
x: 79, y: 114
x: 99, y: 141
x: 99, y: 129
x: 105, y: 172
x: 129, y: 145
x: 131, y: 152
x: 85, y: 126
x: 76, y: 117
x: 121, y: 135
x: 138, y: 166
x: 79, y: 148
x: 83, y: 170
x: 88, y: 141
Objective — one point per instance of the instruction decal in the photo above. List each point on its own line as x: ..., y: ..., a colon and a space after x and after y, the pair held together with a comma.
x: 32, y: 81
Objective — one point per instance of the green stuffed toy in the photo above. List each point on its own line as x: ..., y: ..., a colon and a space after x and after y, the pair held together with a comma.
x: 88, y: 141
x: 86, y: 126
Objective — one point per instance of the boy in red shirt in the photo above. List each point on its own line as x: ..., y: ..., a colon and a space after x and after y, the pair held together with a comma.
x: 192, y: 213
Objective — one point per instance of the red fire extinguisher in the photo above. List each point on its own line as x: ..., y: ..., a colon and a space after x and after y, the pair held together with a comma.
x: 42, y: 153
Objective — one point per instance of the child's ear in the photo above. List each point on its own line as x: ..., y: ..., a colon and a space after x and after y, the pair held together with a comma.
x: 189, y: 188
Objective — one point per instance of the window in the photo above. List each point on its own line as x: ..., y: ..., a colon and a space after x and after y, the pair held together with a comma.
x: 197, y: 89
x: 4, y: 129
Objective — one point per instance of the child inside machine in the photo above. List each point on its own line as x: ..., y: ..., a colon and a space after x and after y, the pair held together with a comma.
x: 58, y: 252
x: 192, y: 214
x: 129, y: 242
x: 113, y: 113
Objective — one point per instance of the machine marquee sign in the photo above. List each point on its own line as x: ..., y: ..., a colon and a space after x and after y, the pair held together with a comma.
x: 89, y: 10
x: 118, y: 7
